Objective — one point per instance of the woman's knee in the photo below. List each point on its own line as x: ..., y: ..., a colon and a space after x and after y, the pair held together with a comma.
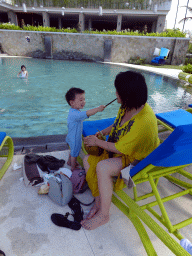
x: 110, y: 168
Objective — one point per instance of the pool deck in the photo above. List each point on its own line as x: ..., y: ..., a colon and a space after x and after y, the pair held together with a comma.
x: 26, y: 228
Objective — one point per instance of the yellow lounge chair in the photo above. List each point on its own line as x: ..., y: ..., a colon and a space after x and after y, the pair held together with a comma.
x: 6, y: 151
x: 170, y: 157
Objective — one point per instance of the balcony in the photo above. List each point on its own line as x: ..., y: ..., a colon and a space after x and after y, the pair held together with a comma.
x: 163, y: 5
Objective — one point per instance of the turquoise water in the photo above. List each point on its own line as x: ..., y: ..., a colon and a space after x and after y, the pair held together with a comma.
x: 36, y: 106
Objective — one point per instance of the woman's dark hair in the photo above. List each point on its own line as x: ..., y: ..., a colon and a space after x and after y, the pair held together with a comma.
x: 71, y: 93
x: 132, y: 89
x: 23, y: 66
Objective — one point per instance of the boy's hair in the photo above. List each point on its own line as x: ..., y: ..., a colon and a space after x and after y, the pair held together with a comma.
x: 132, y: 89
x: 23, y: 66
x: 71, y: 93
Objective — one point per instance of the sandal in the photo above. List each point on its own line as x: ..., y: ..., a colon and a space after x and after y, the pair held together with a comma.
x: 62, y: 221
x: 75, y: 206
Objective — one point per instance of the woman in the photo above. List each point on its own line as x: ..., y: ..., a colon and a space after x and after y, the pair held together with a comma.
x: 132, y: 137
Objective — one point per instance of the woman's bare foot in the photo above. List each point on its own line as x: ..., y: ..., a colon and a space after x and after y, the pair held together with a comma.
x: 91, y: 213
x: 95, y: 208
x: 98, y: 220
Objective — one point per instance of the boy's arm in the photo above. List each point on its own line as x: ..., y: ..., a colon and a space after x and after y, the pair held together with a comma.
x: 93, y: 111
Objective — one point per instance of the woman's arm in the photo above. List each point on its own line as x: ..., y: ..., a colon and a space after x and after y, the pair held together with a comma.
x: 94, y: 141
x: 107, y: 130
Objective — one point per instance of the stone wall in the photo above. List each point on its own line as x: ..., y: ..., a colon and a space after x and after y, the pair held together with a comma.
x: 90, y: 47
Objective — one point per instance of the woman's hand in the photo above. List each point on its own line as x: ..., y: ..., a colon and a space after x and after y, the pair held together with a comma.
x: 91, y: 140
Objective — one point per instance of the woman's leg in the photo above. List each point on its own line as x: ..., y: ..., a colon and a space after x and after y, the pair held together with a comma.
x: 96, y: 205
x: 106, y: 169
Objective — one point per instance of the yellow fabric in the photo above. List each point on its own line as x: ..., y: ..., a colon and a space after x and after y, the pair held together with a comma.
x: 135, y: 139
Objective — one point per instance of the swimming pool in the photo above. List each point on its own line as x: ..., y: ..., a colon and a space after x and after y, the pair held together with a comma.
x: 36, y: 106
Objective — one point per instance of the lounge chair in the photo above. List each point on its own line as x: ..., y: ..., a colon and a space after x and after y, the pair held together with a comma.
x: 172, y: 119
x: 162, y: 56
x: 6, y: 151
x: 170, y: 157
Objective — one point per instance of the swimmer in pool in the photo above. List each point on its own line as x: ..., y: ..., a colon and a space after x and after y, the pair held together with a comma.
x: 23, y: 73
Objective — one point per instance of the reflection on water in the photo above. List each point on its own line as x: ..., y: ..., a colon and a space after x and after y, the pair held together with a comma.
x: 165, y: 94
x: 36, y: 106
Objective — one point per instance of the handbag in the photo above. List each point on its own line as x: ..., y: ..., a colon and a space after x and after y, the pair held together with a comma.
x: 60, y: 189
x: 78, y: 179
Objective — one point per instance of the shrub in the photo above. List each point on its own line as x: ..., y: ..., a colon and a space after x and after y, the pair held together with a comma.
x: 49, y: 29
x: 167, y: 33
x: 136, y: 60
x: 188, y: 61
x: 187, y: 68
x: 9, y: 26
x: 190, y: 48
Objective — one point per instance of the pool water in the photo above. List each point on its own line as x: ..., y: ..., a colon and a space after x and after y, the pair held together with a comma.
x: 36, y: 106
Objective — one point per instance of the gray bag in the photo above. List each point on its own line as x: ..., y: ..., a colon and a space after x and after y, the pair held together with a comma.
x: 60, y: 189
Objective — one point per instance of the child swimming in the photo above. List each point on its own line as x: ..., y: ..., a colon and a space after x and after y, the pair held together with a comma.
x: 23, y: 73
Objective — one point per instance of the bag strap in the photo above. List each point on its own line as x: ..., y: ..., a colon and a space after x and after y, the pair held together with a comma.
x: 84, y: 203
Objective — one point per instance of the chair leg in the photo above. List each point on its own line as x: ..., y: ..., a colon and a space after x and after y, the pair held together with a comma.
x: 175, y: 247
x: 138, y: 226
x: 10, y: 146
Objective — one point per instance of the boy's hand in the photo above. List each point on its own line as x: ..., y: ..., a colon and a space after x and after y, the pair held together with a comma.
x: 101, y: 108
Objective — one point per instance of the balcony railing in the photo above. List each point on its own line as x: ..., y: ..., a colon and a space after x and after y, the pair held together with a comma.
x: 92, y: 4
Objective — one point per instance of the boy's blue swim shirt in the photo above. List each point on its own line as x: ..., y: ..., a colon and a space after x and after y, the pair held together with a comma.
x: 75, y: 128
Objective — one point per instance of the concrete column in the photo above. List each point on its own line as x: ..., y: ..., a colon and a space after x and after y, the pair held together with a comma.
x: 160, y: 24
x: 46, y: 20
x: 60, y: 23
x: 12, y: 16
x: 153, y: 29
x: 82, y: 21
x: 90, y: 25
x: 119, y: 22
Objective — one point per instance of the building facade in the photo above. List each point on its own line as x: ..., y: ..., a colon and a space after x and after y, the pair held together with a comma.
x: 141, y: 15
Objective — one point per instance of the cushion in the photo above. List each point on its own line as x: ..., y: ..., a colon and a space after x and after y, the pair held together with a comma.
x: 2, y: 136
x: 176, y: 117
x: 91, y: 127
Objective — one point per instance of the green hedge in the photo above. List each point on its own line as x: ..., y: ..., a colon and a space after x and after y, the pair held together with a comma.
x: 167, y: 33
x: 187, y: 68
x: 49, y: 29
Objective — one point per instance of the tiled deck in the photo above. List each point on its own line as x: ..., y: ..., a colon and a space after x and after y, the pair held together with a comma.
x: 26, y: 228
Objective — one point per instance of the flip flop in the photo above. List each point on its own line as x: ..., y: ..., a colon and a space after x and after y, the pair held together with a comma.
x: 75, y: 206
x: 62, y: 221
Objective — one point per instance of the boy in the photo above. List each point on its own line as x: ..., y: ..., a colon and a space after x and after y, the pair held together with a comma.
x: 23, y: 72
x: 76, y: 99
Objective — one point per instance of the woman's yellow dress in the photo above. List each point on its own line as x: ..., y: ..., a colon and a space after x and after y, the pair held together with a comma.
x: 135, y: 139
